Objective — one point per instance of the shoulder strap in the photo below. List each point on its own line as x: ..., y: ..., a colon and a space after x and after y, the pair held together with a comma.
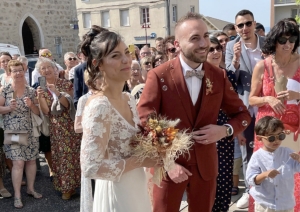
x: 268, y: 66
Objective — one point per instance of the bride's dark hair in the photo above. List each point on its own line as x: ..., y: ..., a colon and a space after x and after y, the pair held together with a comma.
x: 96, y: 45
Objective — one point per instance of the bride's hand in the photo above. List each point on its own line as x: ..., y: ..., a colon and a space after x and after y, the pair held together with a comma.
x: 276, y: 105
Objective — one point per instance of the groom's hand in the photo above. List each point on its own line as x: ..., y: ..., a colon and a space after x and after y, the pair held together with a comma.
x: 209, y: 134
x: 179, y: 174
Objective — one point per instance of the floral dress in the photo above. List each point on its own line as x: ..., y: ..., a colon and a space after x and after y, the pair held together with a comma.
x: 289, y: 119
x: 65, y: 144
x: 104, y: 150
x: 20, y: 119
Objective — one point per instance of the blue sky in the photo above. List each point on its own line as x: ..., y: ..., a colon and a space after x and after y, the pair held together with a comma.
x: 227, y: 9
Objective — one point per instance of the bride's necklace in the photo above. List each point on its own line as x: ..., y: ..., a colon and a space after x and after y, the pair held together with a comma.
x: 278, y: 64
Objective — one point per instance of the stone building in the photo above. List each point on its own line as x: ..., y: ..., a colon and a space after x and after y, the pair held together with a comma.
x: 41, y: 23
x: 138, y: 21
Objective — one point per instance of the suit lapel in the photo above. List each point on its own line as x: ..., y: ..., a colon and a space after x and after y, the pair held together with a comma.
x: 208, y: 76
x: 180, y: 85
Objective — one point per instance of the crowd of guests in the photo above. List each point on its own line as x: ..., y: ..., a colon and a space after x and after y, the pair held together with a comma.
x: 255, y: 64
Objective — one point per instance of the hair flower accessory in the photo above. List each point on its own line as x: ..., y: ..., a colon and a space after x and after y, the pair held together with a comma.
x: 209, y: 86
x: 160, y: 140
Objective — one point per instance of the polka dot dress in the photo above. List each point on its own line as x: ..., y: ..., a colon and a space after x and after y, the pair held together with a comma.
x: 225, y: 150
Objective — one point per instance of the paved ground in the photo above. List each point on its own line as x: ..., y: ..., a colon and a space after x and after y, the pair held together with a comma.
x: 234, y: 199
x: 51, y: 201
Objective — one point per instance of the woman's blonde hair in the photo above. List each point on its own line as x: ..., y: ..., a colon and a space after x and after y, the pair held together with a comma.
x: 14, y: 63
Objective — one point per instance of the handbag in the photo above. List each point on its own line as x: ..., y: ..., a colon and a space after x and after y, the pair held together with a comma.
x: 16, y: 137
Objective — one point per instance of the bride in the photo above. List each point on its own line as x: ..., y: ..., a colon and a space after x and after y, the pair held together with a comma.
x: 109, y: 121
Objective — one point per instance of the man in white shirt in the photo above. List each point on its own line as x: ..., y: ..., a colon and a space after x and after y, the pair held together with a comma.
x: 242, y: 54
x: 43, y: 53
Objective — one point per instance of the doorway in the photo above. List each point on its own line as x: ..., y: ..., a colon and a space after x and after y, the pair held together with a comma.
x: 31, y: 36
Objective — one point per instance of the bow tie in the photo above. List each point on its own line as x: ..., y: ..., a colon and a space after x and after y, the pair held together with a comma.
x: 194, y: 73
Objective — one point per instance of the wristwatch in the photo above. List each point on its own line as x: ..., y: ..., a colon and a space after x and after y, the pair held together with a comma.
x: 229, y: 130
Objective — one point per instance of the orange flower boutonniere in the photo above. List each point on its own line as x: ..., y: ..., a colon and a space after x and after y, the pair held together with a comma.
x: 209, y: 86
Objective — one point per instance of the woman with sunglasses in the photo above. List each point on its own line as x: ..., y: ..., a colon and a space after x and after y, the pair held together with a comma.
x: 270, y: 170
x: 71, y: 61
x: 146, y: 65
x: 223, y: 39
x: 275, y: 86
x: 225, y: 147
x: 170, y: 50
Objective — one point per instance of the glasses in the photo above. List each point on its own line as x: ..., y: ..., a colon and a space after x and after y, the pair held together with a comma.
x: 147, y: 63
x: 72, y: 58
x: 146, y: 53
x: 135, y: 69
x: 232, y: 37
x: 241, y: 25
x: 172, y: 50
x: 17, y: 71
x: 224, y: 40
x: 281, y: 136
x: 46, y: 54
x: 212, y: 49
x: 283, y: 40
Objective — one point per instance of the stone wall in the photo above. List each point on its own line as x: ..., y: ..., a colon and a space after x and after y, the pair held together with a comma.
x: 46, y: 19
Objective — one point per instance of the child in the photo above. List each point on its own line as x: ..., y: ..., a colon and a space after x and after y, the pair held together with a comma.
x: 271, y: 171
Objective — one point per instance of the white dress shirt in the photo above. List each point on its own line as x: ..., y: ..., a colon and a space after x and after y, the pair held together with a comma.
x: 254, y: 57
x: 193, y: 83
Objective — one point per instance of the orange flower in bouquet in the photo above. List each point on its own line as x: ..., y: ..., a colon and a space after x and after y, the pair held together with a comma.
x: 159, y: 139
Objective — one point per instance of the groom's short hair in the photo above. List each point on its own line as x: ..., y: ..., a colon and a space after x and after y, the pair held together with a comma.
x: 188, y: 16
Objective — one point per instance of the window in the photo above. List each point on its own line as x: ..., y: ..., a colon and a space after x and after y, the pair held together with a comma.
x: 295, y: 12
x: 124, y: 17
x: 145, y: 18
x: 192, y: 9
x: 105, y: 21
x: 174, y: 12
x: 86, y: 20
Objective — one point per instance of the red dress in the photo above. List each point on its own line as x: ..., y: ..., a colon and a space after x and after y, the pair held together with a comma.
x: 290, y: 120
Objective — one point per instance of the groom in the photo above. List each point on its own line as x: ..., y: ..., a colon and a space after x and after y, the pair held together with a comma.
x: 178, y: 89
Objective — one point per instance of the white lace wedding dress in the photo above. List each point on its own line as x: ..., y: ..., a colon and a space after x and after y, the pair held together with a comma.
x: 105, y: 145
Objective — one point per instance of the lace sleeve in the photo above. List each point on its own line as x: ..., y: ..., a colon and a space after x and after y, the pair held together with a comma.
x: 80, y: 106
x: 95, y: 162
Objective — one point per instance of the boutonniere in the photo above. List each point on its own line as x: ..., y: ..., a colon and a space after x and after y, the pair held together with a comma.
x: 209, y: 86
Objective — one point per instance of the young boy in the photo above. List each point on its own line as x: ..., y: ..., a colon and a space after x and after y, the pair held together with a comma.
x: 271, y: 170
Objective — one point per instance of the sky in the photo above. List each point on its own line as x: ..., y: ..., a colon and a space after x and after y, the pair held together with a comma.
x: 227, y: 9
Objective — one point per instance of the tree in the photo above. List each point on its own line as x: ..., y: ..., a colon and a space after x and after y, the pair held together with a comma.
x: 297, y: 16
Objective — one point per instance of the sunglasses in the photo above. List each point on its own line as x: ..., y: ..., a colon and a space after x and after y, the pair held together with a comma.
x: 224, y: 40
x: 248, y: 24
x: 281, y: 136
x: 72, y: 58
x: 212, y: 49
x: 46, y: 55
x: 147, y: 63
x: 232, y: 37
x: 172, y: 50
x: 283, y: 40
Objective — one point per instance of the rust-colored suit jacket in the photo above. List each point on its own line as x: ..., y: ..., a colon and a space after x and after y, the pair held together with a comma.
x: 166, y: 93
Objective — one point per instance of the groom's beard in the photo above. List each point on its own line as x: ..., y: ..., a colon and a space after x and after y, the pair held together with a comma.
x: 190, y: 55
